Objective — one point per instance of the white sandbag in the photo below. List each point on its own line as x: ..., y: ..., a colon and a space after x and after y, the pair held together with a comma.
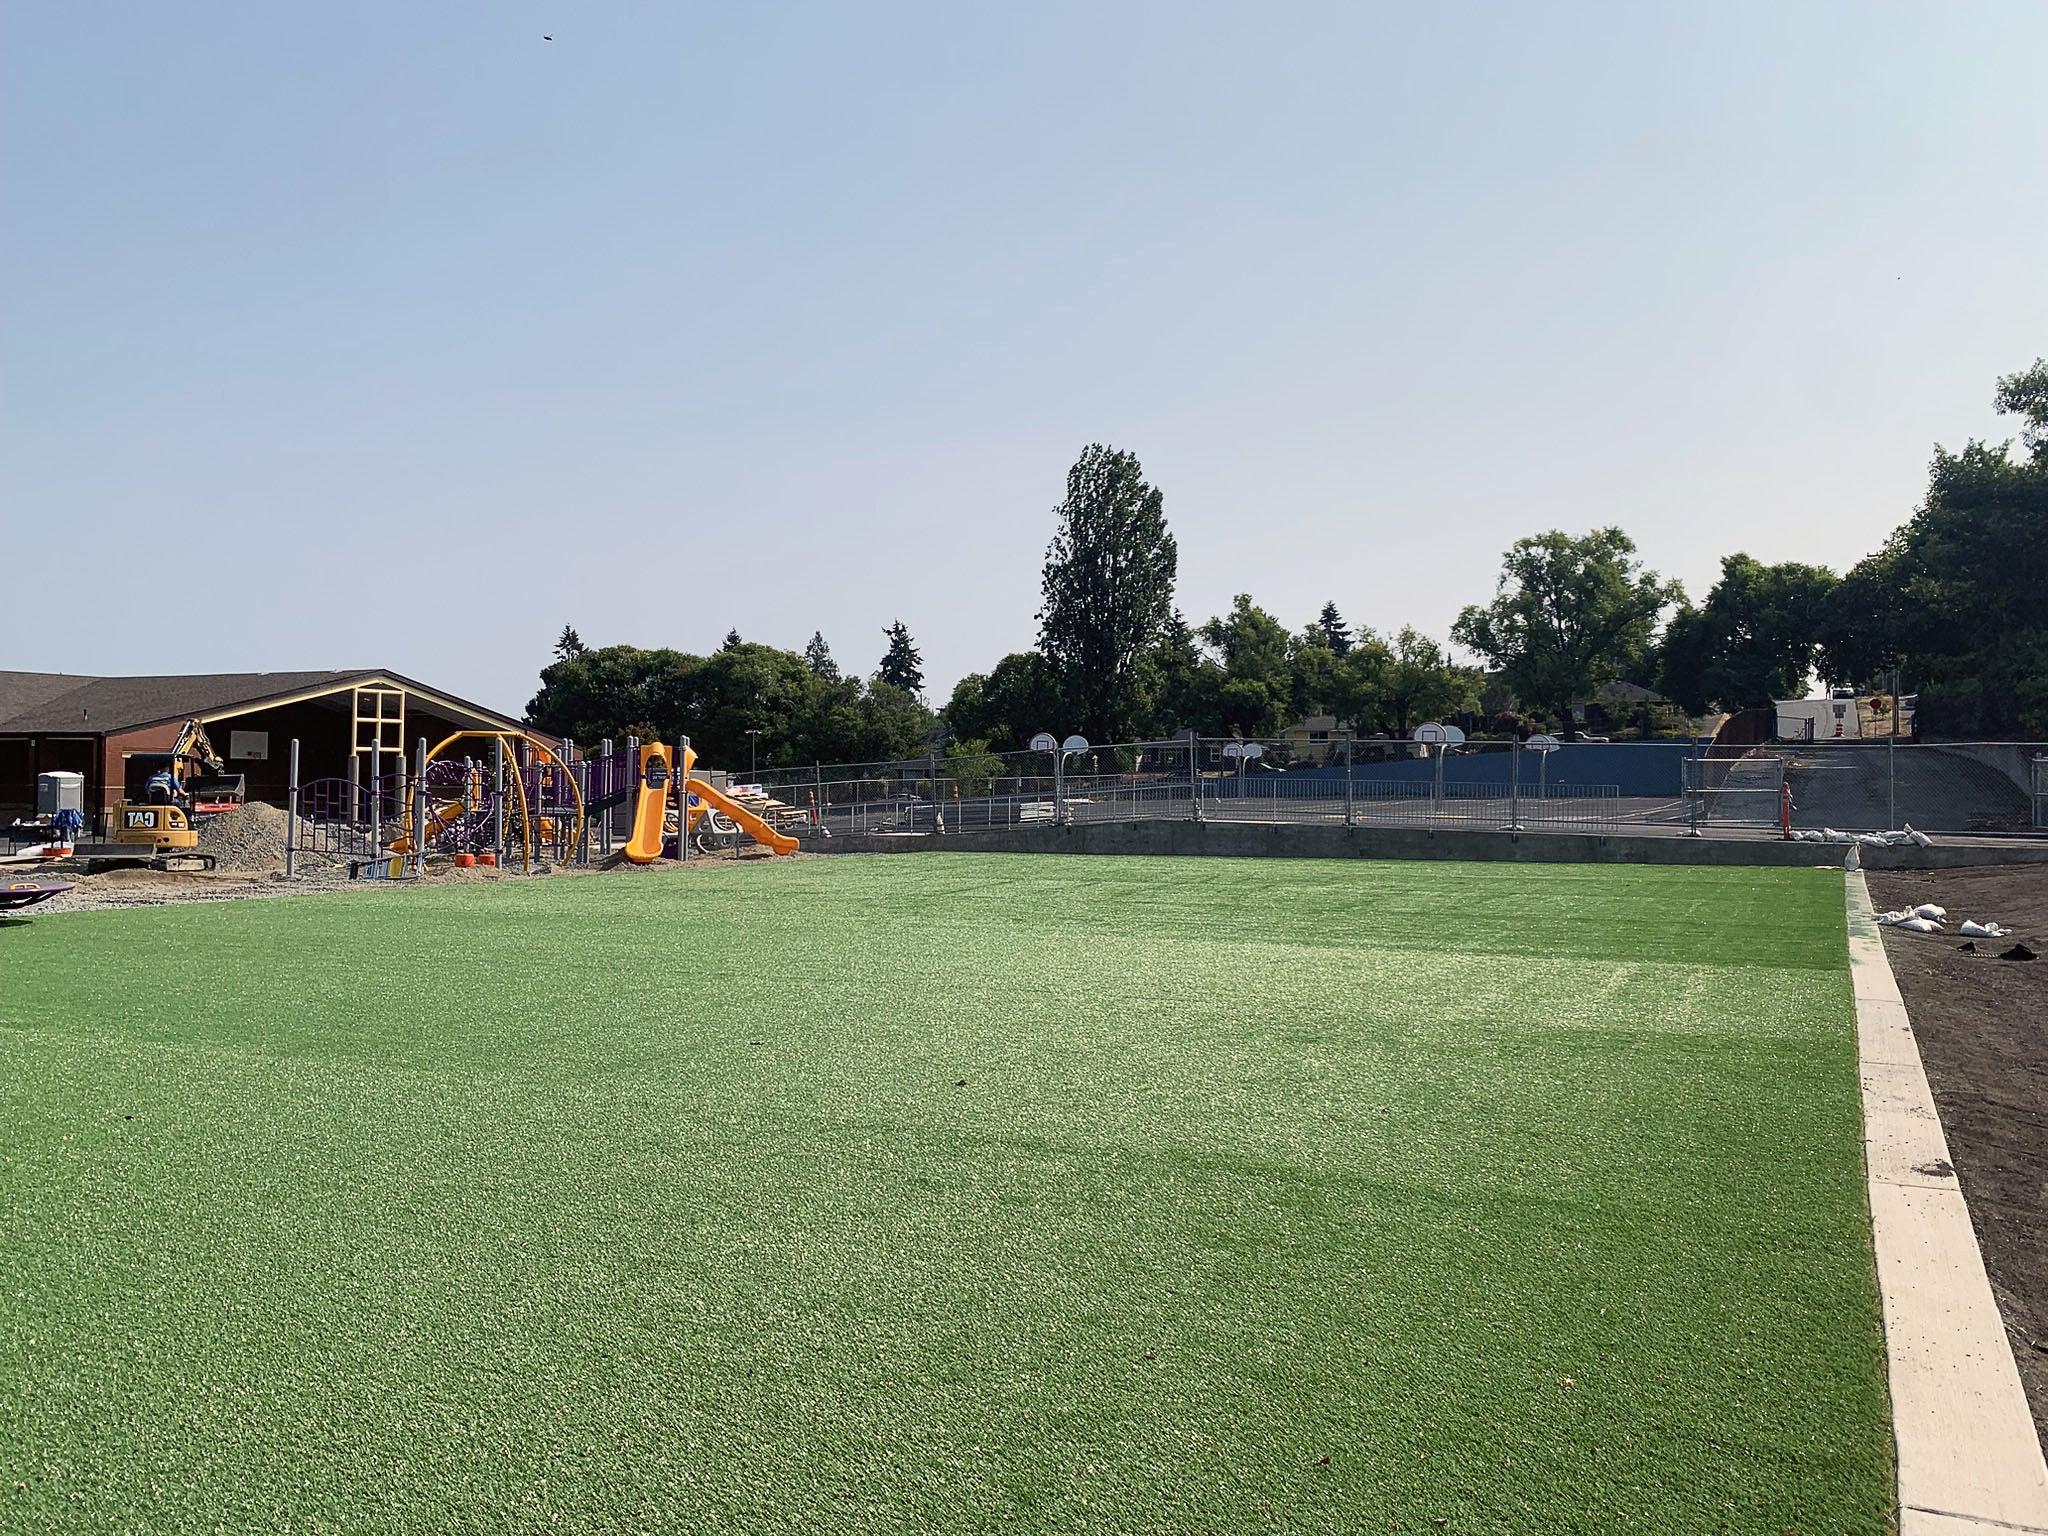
x: 1931, y: 912
x: 1920, y: 925
x: 1873, y: 840
x: 1918, y: 839
x: 1897, y: 839
x: 1830, y: 835
x: 1855, y: 859
x: 1892, y: 919
x: 1973, y: 930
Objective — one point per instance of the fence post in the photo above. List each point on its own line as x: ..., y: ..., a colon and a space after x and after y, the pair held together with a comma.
x: 1436, y: 788
x: 1514, y: 783
x: 355, y: 792
x: 377, y: 797
x: 419, y: 807
x: 1059, y: 780
x: 611, y: 774
x: 1350, y: 793
x: 291, y: 815
x: 1195, y: 770
x: 1891, y: 762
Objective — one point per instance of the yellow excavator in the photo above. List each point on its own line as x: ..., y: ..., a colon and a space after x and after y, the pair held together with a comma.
x: 159, y: 831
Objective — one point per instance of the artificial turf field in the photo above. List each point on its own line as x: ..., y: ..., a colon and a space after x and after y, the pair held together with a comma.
x: 945, y: 1193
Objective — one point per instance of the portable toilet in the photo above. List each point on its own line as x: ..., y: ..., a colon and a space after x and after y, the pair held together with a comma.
x: 59, y: 791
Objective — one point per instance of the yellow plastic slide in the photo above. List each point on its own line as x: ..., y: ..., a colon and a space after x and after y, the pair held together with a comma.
x: 650, y: 807
x: 746, y: 820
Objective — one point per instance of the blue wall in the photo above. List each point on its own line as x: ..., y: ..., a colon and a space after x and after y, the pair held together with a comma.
x: 1647, y: 768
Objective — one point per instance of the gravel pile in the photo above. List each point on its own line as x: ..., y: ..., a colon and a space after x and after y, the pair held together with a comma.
x: 252, y: 840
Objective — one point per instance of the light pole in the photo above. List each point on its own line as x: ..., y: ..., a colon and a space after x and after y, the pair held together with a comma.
x: 753, y: 753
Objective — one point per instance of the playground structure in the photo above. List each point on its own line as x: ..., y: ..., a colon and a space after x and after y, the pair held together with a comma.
x: 674, y: 809
x: 510, y: 797
x: 491, y: 798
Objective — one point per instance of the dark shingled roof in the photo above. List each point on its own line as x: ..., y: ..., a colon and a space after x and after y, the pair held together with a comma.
x: 50, y: 703
x: 23, y: 691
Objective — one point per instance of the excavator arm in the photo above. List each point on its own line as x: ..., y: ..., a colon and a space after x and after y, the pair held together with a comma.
x: 202, y: 775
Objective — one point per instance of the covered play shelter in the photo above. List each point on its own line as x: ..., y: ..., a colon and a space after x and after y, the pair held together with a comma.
x: 95, y: 726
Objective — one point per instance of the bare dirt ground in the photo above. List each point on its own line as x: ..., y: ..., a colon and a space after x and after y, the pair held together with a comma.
x: 249, y: 846
x: 1982, y: 1024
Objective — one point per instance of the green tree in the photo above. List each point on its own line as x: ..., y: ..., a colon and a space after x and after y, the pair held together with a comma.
x: 1970, y: 573
x: 1754, y: 641
x: 902, y: 665
x: 1863, y: 622
x: 1567, y: 615
x: 894, y: 724
x: 716, y: 700
x: 569, y: 644
x: 1107, y: 591
x: 1178, y: 685
x: 818, y: 657
x: 1256, y: 652
x: 1016, y: 700
x: 1421, y: 682
x: 613, y: 691
x: 732, y: 640
x: 1336, y: 633
x: 1361, y: 688
x: 972, y: 766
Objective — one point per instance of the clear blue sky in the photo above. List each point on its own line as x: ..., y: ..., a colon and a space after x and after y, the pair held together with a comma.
x: 392, y: 334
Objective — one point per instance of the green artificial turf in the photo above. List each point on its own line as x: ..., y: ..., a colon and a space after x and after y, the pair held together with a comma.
x: 945, y: 1193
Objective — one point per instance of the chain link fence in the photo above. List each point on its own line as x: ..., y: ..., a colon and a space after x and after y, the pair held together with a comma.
x: 1673, y: 787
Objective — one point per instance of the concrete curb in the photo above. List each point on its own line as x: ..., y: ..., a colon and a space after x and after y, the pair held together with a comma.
x: 1969, y: 1460
x: 1326, y: 840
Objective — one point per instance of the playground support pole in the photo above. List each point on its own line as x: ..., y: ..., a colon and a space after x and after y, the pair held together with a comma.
x: 291, y: 815
x: 355, y: 789
x: 604, y: 831
x: 377, y: 797
x: 1350, y: 792
x: 419, y: 807
x: 632, y: 778
x: 498, y: 800
x: 683, y: 799
x: 581, y: 852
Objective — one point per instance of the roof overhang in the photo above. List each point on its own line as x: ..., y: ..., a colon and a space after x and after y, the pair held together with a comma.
x: 459, y: 710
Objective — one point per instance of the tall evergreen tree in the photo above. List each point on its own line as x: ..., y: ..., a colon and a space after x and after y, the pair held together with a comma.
x: 818, y: 657
x: 570, y: 644
x: 1108, y: 590
x: 902, y: 666
x: 732, y: 640
x: 1336, y: 633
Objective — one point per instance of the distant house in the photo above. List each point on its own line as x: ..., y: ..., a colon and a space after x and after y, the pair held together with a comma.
x: 1620, y: 703
x: 1317, y: 739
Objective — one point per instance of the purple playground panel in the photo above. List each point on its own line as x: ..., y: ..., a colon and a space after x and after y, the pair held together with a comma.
x: 26, y: 893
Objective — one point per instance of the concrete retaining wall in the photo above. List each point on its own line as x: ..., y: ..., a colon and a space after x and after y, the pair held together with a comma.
x: 1253, y: 840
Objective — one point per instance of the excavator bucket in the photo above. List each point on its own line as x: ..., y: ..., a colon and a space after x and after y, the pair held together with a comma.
x: 215, y: 792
